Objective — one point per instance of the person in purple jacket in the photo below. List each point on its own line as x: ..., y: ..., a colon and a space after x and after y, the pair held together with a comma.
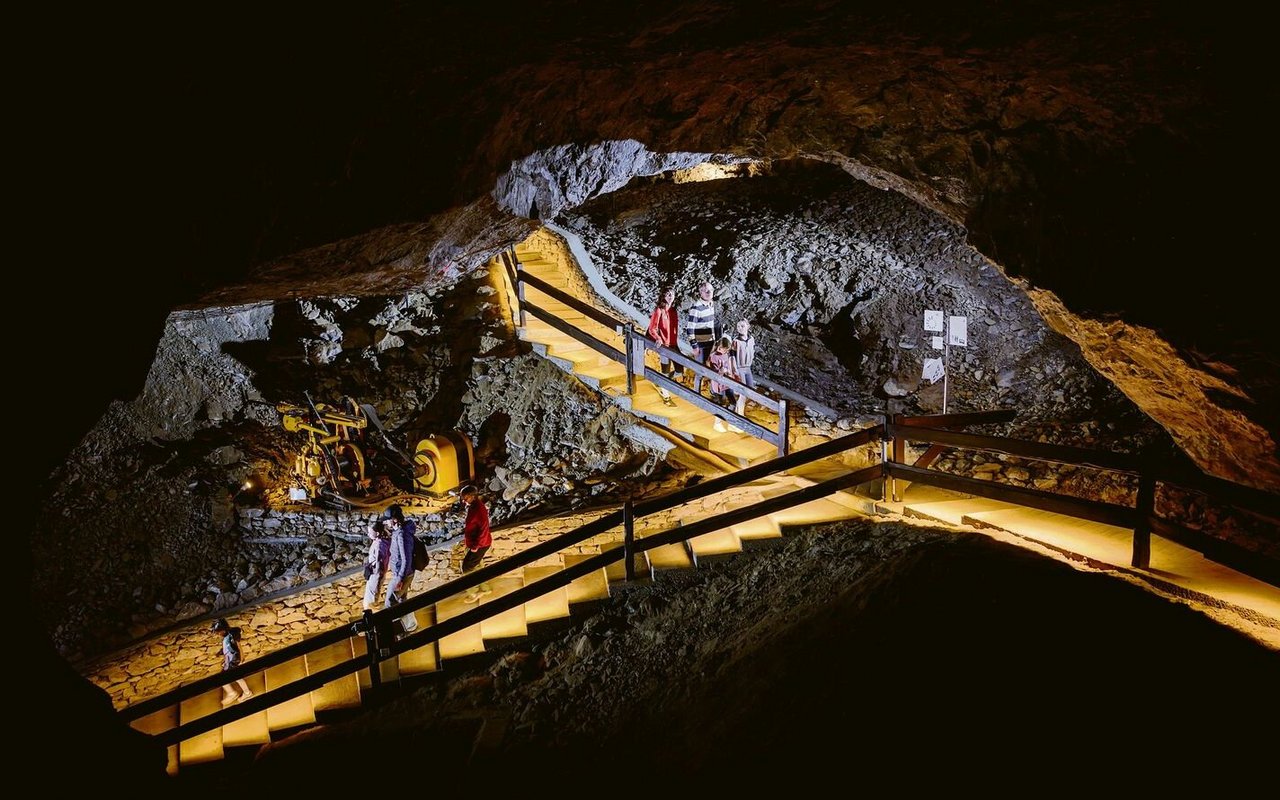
x: 400, y: 580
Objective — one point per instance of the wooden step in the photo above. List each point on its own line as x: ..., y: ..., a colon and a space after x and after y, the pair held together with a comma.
x: 551, y: 605
x: 535, y: 324
x: 509, y: 624
x: 166, y: 719
x: 388, y: 670
x: 714, y: 545
x: 568, y: 344
x: 670, y: 556
x: 813, y: 512
x: 207, y: 746
x: 617, y: 571
x: 602, y: 376
x: 339, y: 694
x: 760, y: 528
x: 252, y: 730
x: 581, y: 357
x: 547, y: 275
x: 465, y: 642
x: 425, y: 659
x: 746, y: 452
x: 297, y: 711
x: 952, y: 511
x: 587, y: 588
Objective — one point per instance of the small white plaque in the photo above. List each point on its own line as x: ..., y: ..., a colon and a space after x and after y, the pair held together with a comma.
x: 958, y: 332
x: 937, y: 342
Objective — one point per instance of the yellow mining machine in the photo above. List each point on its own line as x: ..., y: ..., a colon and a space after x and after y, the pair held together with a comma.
x: 337, y: 464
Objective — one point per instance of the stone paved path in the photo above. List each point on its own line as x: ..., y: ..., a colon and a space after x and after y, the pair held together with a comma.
x: 193, y: 651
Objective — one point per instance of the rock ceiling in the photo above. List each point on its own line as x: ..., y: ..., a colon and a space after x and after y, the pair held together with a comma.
x: 1089, y: 149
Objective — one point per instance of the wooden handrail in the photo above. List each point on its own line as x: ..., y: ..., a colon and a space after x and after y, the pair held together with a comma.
x: 1108, y: 513
x: 1222, y: 490
x: 589, y: 310
x: 769, y: 506
x: 1239, y: 495
x: 600, y: 347
x: 796, y: 397
x: 1118, y: 462
x: 707, y: 372
x: 960, y: 420
x: 696, y: 492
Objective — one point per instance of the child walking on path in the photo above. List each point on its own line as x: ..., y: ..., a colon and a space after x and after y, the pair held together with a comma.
x: 476, y: 536
x: 230, y: 659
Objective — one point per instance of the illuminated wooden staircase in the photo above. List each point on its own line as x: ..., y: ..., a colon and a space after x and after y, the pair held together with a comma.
x: 541, y: 258
x: 345, y: 696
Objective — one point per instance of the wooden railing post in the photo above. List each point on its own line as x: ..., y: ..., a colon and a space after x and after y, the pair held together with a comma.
x: 371, y: 646
x: 884, y: 455
x: 1146, y: 506
x: 899, y: 454
x: 631, y: 359
x: 629, y: 539
x: 520, y: 295
x: 784, y: 429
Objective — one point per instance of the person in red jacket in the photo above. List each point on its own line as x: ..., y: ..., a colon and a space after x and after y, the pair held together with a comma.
x: 662, y: 330
x: 476, y: 536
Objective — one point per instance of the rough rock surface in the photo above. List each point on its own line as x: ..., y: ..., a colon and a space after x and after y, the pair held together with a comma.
x: 149, y: 523
x: 835, y: 277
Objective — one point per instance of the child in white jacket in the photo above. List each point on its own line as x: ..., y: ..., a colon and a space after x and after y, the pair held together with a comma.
x: 743, y: 349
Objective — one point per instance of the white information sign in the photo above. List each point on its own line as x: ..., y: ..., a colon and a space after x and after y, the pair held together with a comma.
x: 937, y: 342
x: 958, y: 332
x: 933, y: 320
x: 933, y: 371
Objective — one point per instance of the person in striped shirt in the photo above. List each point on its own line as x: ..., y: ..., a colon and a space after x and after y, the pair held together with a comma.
x: 702, y: 328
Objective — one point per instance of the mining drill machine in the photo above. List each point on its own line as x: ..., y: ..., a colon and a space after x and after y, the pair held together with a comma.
x: 337, y: 464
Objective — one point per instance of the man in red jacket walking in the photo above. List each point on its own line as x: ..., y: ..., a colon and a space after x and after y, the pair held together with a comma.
x: 476, y: 536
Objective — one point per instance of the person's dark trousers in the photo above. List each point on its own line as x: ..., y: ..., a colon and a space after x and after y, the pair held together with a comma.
x: 472, y: 559
x: 700, y: 352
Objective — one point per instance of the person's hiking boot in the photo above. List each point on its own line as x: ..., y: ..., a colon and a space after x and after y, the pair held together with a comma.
x: 719, y: 426
x: 471, y: 597
x: 667, y: 399
x: 229, y: 699
x: 245, y: 695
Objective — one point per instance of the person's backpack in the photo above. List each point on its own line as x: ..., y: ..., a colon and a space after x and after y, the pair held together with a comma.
x: 420, y: 557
